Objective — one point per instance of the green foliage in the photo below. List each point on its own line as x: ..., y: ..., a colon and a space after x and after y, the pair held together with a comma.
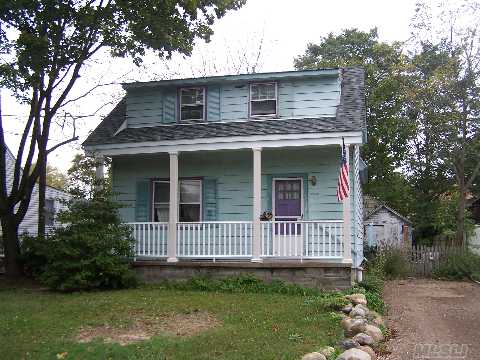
x: 459, y: 265
x: 396, y: 263
x: 82, y: 179
x: 92, y: 250
x: 388, y: 132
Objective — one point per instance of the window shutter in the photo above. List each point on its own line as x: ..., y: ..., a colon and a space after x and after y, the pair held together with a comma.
x: 209, y: 199
x: 169, y: 106
x: 213, y: 103
x: 142, y: 201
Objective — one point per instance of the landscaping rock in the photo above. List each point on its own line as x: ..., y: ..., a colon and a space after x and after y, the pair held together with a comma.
x: 349, y: 344
x: 374, y: 332
x: 354, y: 354
x: 314, y: 356
x: 357, y: 299
x: 375, y: 318
x: 353, y: 326
x: 327, y: 351
x: 359, y: 311
x: 369, y: 351
x: 363, y: 339
x: 347, y: 308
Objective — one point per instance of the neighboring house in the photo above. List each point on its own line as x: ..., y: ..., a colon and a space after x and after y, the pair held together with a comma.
x: 474, y: 238
x: 241, y: 168
x: 53, y: 202
x: 385, y: 226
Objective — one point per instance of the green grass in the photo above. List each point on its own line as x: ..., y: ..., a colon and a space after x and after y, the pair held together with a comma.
x: 37, y: 324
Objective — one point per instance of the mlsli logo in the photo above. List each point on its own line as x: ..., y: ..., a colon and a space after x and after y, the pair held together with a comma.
x: 440, y: 352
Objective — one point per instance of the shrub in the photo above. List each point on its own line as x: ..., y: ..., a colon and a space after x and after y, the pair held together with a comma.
x: 92, y: 250
x: 393, y: 263
x: 459, y: 265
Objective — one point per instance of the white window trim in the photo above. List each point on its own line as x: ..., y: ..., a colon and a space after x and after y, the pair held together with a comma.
x: 179, y: 203
x: 204, y: 112
x: 250, y: 100
x: 302, y: 210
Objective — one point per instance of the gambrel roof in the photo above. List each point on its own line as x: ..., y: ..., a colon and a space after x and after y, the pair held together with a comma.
x: 350, y: 115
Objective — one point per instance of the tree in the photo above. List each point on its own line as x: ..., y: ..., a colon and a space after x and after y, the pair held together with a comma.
x: 47, y: 45
x: 82, y: 180
x: 388, y: 130
x: 55, y: 178
x: 448, y: 104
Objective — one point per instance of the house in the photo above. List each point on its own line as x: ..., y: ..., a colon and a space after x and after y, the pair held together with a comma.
x: 385, y: 226
x: 54, y: 202
x: 238, y: 174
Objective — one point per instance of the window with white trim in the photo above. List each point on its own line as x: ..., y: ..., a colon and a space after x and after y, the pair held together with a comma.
x: 49, y: 210
x: 190, y: 200
x: 263, y: 99
x: 192, y: 104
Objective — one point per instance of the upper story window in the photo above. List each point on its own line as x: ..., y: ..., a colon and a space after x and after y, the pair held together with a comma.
x: 49, y: 212
x: 263, y: 99
x: 192, y: 104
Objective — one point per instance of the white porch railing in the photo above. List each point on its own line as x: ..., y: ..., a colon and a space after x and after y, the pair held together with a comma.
x: 233, y: 239
x: 214, y: 239
x: 303, y: 239
x: 150, y: 238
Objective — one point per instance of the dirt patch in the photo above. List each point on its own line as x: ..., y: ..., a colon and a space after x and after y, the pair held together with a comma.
x: 142, y: 328
x: 426, y: 314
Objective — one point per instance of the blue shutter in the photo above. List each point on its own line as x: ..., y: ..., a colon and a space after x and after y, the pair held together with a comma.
x: 142, y: 201
x: 169, y: 107
x: 213, y: 103
x: 209, y: 199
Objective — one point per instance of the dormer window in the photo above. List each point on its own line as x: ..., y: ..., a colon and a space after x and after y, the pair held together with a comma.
x: 192, y: 104
x: 263, y: 99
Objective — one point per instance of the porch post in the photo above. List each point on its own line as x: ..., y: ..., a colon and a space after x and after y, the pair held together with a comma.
x: 347, y: 245
x: 257, y: 205
x: 99, y: 170
x: 173, y: 209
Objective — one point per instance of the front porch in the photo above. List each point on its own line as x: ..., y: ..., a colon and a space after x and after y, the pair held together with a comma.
x: 233, y: 240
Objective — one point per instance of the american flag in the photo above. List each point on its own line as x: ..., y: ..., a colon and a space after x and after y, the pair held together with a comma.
x: 342, y: 187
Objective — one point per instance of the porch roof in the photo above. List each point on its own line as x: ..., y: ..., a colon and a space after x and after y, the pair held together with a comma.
x: 350, y: 116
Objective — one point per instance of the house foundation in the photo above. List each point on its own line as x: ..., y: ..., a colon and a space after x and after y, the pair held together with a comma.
x: 312, y: 274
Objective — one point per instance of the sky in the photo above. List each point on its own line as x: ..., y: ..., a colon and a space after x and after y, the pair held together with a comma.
x: 268, y: 33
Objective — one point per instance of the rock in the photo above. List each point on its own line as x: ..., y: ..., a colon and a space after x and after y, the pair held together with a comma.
x: 363, y: 339
x: 357, y: 299
x: 369, y: 351
x: 349, y: 344
x: 375, y: 318
x: 374, y: 332
x: 355, y: 326
x: 346, y: 323
x: 359, y: 311
x: 327, y: 351
x: 354, y: 354
x: 347, y: 308
x: 314, y: 356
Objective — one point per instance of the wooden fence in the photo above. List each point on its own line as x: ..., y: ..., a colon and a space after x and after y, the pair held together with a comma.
x: 425, y: 259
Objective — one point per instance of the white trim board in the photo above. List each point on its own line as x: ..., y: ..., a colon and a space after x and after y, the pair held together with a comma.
x: 229, y: 143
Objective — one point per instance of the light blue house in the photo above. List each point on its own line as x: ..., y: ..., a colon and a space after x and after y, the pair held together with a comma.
x: 240, y: 172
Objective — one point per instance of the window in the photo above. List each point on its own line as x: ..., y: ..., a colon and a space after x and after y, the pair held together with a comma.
x: 192, y: 104
x: 190, y: 205
x: 49, y: 212
x: 263, y: 99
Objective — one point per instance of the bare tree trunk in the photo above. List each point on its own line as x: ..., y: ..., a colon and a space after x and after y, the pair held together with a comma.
x: 11, y: 245
x: 460, y: 235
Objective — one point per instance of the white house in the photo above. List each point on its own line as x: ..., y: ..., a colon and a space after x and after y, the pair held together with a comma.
x: 53, y: 203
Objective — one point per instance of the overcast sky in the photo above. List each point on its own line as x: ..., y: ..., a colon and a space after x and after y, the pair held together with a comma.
x: 282, y: 28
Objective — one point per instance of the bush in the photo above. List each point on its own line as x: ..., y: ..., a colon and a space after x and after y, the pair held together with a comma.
x: 392, y: 263
x: 92, y: 251
x: 459, y: 265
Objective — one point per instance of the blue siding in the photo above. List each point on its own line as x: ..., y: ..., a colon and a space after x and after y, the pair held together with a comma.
x: 311, y: 97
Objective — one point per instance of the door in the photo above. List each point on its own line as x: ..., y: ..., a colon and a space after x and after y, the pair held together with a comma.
x: 288, y: 205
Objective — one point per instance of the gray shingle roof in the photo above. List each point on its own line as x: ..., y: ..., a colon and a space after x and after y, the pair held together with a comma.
x: 350, y: 117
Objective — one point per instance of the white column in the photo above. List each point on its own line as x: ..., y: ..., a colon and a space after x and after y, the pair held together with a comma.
x: 347, y: 247
x: 257, y: 205
x: 99, y: 171
x: 173, y: 209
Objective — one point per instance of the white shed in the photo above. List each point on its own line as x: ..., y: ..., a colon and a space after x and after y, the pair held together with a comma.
x: 385, y: 226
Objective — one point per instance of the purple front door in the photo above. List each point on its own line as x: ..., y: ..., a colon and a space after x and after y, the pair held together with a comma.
x: 288, y: 204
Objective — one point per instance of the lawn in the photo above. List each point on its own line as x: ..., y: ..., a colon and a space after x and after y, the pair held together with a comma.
x: 37, y: 324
